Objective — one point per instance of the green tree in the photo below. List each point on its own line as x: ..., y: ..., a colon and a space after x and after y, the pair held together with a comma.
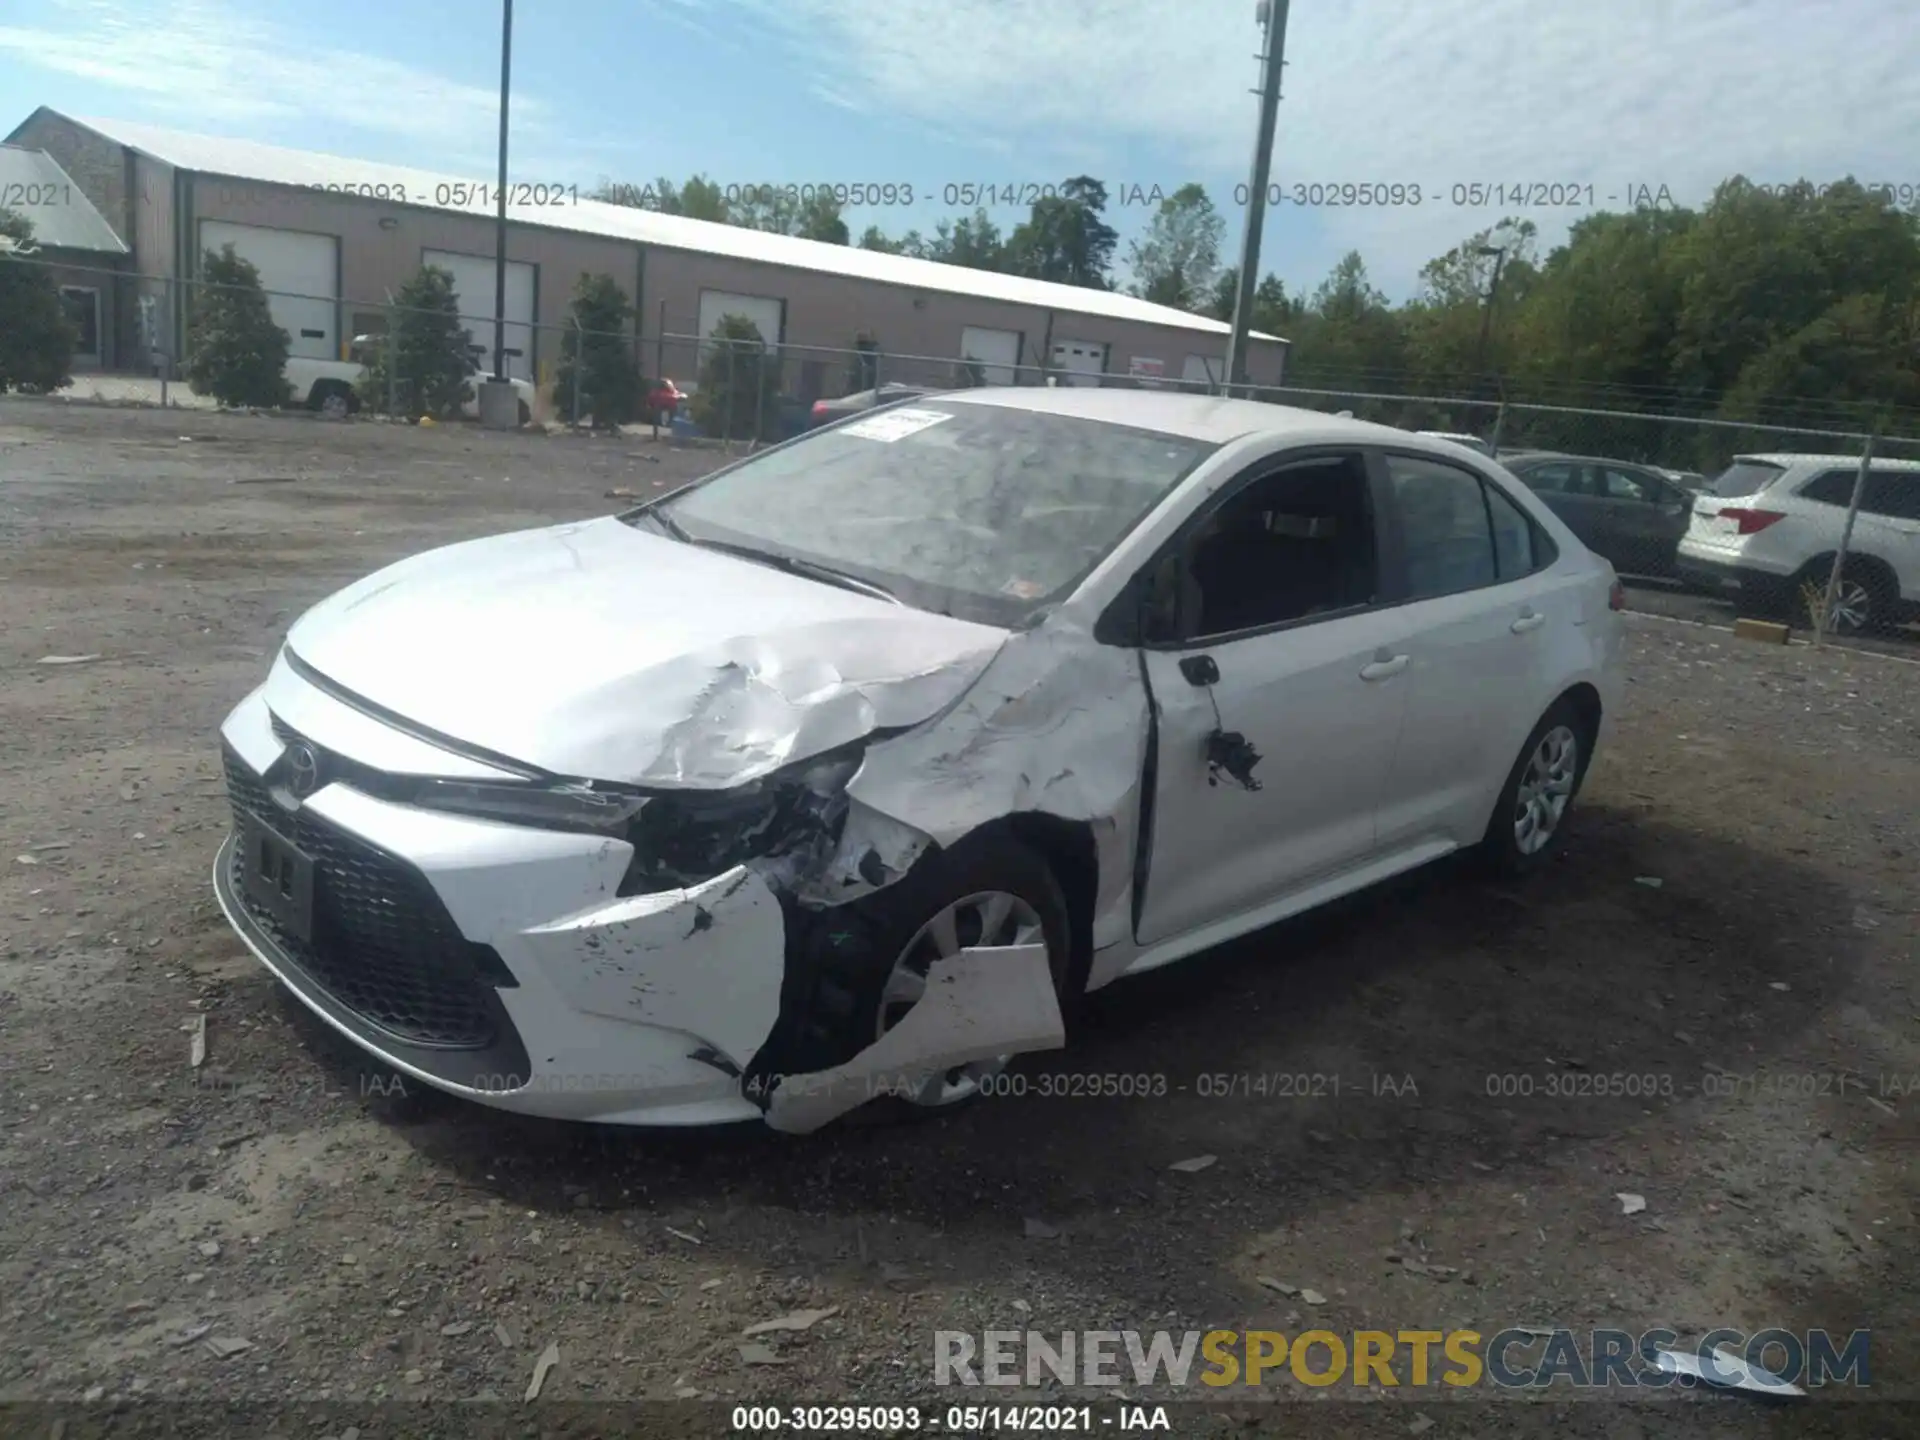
x: 1066, y: 238
x: 36, y: 338
x: 1348, y: 336
x: 698, y: 199
x: 911, y: 243
x: 1273, y: 312
x: 427, y: 351
x: 1175, y: 263
x: 973, y: 241
x: 1456, y: 303
x: 739, y: 395
x: 596, y: 355
x: 235, y: 352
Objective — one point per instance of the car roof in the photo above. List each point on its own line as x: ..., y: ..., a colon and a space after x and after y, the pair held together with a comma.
x: 1193, y: 417
x: 1788, y: 460
x: 1588, y: 460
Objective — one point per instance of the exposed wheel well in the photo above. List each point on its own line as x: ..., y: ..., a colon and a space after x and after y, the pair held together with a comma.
x: 1585, y: 701
x: 1069, y: 850
x: 1821, y: 566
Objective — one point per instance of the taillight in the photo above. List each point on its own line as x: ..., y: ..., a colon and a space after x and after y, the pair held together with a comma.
x: 1617, y: 595
x: 1751, y: 522
x: 819, y: 408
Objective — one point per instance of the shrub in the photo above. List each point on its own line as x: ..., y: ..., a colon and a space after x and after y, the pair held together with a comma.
x: 426, y: 348
x: 597, y: 349
x: 739, y: 395
x: 36, y: 339
x: 235, y: 352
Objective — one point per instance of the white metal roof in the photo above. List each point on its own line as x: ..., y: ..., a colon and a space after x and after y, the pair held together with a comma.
x: 272, y: 164
x: 34, y: 187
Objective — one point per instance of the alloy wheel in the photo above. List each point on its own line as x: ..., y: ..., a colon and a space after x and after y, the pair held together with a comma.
x: 990, y: 917
x: 1546, y: 789
x: 1852, y: 607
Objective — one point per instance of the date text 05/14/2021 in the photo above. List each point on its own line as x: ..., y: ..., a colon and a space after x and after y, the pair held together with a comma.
x: 950, y: 1420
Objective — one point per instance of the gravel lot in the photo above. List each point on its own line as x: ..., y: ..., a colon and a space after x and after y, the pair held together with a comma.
x: 374, y: 1245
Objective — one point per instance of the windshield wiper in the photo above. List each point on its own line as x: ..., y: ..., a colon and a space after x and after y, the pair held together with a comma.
x: 811, y: 569
x: 667, y: 523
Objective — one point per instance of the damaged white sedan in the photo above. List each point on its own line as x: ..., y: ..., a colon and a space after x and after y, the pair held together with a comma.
x: 844, y: 771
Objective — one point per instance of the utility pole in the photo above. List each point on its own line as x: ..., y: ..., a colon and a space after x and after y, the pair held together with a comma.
x: 1272, y: 17
x: 500, y: 222
x: 1499, y: 254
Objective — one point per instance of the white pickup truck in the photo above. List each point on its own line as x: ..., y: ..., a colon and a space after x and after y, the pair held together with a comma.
x: 332, y: 387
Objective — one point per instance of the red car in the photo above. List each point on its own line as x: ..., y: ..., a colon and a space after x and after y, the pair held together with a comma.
x: 665, y: 397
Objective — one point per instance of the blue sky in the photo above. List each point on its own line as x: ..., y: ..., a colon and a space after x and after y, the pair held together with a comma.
x: 1435, y: 93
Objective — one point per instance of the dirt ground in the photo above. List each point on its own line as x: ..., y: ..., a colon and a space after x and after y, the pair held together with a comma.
x: 1734, y: 919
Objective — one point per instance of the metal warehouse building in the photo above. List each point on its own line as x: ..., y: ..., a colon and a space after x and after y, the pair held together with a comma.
x: 337, y: 236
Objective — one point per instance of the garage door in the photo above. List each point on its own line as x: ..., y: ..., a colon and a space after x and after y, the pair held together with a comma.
x: 997, y: 351
x: 473, y: 284
x: 300, y: 273
x: 1084, y: 361
x: 767, y: 313
x: 1203, y: 370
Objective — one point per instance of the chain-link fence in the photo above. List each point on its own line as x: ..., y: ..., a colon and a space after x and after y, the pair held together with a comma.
x: 1781, y: 522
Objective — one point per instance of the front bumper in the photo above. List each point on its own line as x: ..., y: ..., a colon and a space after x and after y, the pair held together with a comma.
x: 498, y: 963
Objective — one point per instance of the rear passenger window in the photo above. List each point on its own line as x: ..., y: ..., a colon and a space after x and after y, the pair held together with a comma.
x: 1445, y: 532
x: 1893, y: 492
x: 1833, y: 488
x: 1513, y: 554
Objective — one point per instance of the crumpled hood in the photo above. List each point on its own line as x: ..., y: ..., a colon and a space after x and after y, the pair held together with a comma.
x: 608, y: 652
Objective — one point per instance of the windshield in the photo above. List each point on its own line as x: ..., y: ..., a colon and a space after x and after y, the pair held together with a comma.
x: 984, y: 512
x: 1745, y: 477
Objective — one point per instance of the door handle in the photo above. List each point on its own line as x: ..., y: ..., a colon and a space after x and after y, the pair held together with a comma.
x: 1382, y: 666
x: 1528, y: 622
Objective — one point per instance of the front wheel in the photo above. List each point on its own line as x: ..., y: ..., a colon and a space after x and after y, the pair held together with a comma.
x: 872, y: 957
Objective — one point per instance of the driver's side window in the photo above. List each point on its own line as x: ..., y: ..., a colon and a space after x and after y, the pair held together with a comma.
x: 1283, y: 547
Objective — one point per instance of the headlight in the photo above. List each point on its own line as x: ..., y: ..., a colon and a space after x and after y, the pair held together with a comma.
x: 557, y: 807
x: 685, y: 836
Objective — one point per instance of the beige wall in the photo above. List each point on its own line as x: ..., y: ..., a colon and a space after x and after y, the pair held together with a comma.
x: 821, y: 310
x: 374, y: 260
x: 830, y: 310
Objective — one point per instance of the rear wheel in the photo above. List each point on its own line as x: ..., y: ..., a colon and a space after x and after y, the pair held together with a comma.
x: 332, y: 399
x: 1862, y: 600
x: 1529, y: 817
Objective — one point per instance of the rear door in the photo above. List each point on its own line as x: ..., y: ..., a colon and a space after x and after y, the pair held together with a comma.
x: 1567, y: 488
x: 1483, y: 616
x: 1643, y: 518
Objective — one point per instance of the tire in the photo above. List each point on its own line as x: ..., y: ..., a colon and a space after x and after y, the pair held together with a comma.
x: 1864, y: 601
x: 526, y: 412
x: 331, y: 399
x: 1512, y: 847
x: 855, y: 951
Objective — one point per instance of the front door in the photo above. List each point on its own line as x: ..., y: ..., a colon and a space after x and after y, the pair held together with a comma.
x: 1267, y: 632
x: 82, y: 306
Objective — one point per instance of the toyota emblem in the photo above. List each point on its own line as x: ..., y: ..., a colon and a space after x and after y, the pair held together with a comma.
x: 303, y: 770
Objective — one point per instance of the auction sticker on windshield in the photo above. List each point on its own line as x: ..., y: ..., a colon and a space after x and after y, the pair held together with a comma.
x: 892, y: 425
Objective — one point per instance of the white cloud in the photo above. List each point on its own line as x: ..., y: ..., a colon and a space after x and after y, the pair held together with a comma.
x: 1679, y: 93
x: 200, y: 61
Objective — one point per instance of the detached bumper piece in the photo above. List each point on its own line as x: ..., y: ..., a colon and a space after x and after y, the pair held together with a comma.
x: 380, y: 955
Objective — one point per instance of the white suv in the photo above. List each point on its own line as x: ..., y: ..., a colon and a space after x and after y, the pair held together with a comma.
x: 1770, y: 525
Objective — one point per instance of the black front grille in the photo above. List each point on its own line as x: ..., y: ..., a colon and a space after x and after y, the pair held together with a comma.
x: 383, y: 946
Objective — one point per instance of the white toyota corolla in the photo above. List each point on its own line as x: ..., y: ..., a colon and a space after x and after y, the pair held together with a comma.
x: 844, y: 771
